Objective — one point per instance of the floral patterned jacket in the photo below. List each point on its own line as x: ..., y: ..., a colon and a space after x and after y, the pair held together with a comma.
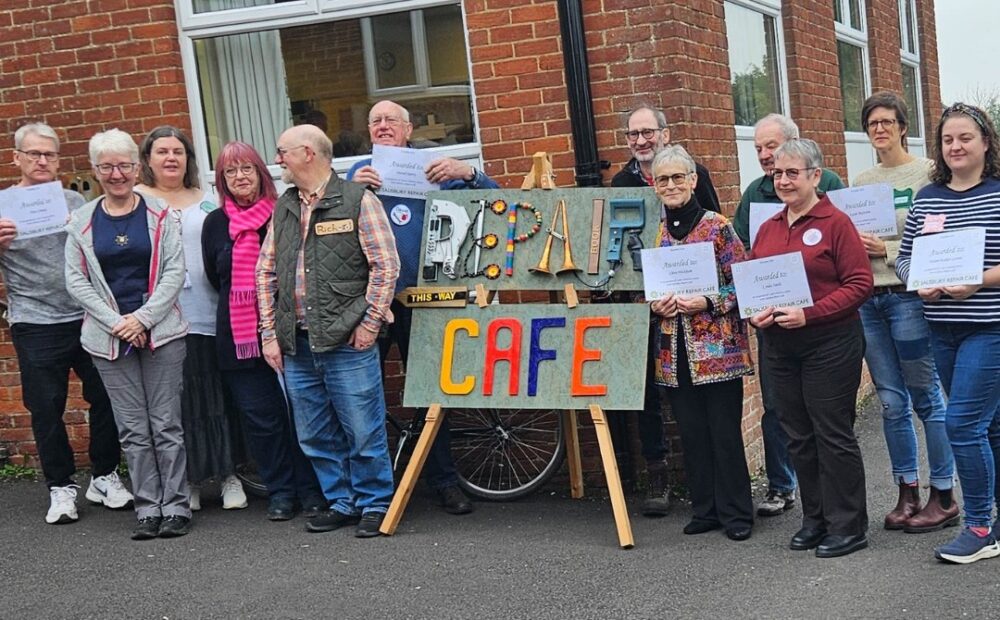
x: 716, y: 340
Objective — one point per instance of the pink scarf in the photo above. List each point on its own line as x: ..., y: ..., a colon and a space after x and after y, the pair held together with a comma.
x: 243, y: 317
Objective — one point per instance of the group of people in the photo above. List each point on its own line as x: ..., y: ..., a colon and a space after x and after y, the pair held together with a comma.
x: 190, y: 318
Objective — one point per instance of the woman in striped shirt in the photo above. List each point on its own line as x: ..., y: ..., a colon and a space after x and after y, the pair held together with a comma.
x: 965, y: 319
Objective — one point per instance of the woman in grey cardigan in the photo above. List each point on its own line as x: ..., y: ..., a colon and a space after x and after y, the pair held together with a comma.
x: 125, y: 266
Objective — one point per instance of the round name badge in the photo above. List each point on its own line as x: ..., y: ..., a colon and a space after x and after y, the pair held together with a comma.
x: 812, y: 237
x: 400, y: 215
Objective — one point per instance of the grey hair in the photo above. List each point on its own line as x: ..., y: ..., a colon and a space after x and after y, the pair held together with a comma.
x: 320, y: 144
x: 112, y: 142
x: 661, y: 118
x: 674, y: 153
x: 788, y: 127
x: 34, y: 129
x: 805, y: 149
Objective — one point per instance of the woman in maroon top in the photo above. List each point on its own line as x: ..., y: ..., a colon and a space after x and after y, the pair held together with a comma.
x: 813, y: 355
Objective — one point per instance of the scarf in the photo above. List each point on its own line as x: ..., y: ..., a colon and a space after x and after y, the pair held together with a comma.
x: 243, y: 316
x: 681, y: 220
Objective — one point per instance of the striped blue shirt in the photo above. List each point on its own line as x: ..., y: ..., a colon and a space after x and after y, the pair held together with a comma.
x: 978, y: 206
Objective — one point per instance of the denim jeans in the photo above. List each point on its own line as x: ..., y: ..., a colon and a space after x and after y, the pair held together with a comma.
x: 901, y: 363
x: 45, y: 355
x: 339, y: 412
x: 777, y: 461
x: 968, y: 359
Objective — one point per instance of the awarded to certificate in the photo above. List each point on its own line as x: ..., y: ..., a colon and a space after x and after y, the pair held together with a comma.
x: 872, y: 208
x: 688, y: 269
x: 947, y: 259
x: 36, y: 210
x: 760, y: 212
x: 773, y: 281
x: 402, y: 171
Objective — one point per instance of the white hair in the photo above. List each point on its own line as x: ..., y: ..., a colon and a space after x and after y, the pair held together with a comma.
x: 34, y: 129
x: 674, y: 153
x: 788, y: 127
x: 113, y: 142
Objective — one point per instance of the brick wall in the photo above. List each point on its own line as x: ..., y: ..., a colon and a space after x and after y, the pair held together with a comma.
x: 883, y: 45
x: 930, y: 82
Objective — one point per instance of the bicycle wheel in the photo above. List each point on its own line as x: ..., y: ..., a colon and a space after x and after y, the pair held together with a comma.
x: 503, y: 454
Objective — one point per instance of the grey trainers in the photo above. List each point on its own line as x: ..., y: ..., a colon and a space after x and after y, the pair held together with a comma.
x: 775, y: 503
x: 657, y: 502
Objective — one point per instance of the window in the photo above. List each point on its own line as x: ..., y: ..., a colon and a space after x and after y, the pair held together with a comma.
x: 256, y: 67
x: 910, y: 57
x: 852, y: 56
x: 757, y: 72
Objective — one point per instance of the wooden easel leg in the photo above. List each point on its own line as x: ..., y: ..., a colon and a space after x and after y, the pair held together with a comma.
x: 572, y: 437
x: 432, y: 423
x: 614, y: 481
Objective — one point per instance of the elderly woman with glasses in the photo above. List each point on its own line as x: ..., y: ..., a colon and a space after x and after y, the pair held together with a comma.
x: 898, y: 339
x: 701, y: 354
x: 814, y: 354
x: 125, y: 267
x: 230, y: 245
x: 965, y: 319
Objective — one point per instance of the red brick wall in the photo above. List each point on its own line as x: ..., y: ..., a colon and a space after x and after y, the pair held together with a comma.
x: 883, y: 45
x: 930, y: 82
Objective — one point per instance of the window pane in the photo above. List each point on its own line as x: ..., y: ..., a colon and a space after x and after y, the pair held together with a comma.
x: 753, y: 63
x: 852, y: 83
x: 838, y: 15
x: 445, y: 34
x: 393, y: 38
x: 208, y: 6
x: 911, y: 27
x: 910, y: 92
x: 255, y: 85
x: 856, y: 9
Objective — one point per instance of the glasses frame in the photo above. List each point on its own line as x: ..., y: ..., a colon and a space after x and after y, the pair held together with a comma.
x: 632, y: 135
x: 282, y: 151
x: 885, y: 123
x: 36, y: 155
x: 677, y: 179
x: 133, y: 166
x: 392, y: 121
x: 791, y: 173
x: 246, y: 169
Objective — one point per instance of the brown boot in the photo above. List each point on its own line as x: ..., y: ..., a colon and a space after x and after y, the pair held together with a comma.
x: 934, y: 516
x: 907, y: 506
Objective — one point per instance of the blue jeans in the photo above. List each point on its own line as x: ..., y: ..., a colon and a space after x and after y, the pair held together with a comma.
x: 339, y: 412
x: 968, y: 359
x: 901, y: 363
x: 777, y: 461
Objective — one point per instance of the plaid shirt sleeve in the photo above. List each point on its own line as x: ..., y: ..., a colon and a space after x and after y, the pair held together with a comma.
x: 267, y: 284
x: 379, y: 246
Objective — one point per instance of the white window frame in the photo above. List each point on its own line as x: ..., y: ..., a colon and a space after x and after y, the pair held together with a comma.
x: 192, y: 26
x: 857, y: 38
x: 745, y: 133
x: 912, y: 60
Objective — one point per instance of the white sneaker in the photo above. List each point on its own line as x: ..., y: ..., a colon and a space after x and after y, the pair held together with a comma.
x: 109, y: 491
x: 63, y: 505
x: 233, y: 497
x: 194, y: 503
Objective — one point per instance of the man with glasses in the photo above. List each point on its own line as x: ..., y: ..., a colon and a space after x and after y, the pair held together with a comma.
x: 325, y: 279
x: 389, y: 125
x: 771, y: 132
x: 646, y: 133
x: 45, y: 329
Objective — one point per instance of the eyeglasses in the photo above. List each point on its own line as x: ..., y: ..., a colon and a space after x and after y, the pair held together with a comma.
x: 245, y: 169
x: 282, y: 151
x: 633, y: 134
x: 791, y: 173
x: 392, y: 121
x: 36, y: 155
x: 885, y: 123
x: 678, y: 179
x: 107, y: 169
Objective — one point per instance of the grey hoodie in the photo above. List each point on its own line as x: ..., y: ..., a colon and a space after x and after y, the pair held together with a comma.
x: 85, y: 281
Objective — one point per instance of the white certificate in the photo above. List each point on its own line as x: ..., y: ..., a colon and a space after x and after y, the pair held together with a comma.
x: 688, y: 269
x: 402, y: 171
x: 760, y: 212
x: 37, y: 210
x: 872, y: 208
x: 773, y: 281
x: 947, y: 259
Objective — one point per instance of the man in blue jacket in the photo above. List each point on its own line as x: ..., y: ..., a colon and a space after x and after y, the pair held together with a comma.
x: 389, y: 125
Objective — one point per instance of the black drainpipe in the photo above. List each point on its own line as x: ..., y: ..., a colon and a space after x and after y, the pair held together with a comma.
x: 581, y: 112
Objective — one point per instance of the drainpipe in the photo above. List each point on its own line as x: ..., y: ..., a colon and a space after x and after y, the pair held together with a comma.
x: 581, y: 112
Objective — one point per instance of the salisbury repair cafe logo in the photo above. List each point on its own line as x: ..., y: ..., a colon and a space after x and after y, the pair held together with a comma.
x: 528, y: 356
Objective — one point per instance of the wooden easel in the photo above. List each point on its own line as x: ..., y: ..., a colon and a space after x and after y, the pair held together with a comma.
x: 540, y: 177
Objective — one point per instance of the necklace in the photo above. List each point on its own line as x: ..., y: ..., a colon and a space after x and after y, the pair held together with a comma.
x: 121, y: 234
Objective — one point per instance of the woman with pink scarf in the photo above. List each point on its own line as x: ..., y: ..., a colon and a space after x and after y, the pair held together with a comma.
x: 230, y: 241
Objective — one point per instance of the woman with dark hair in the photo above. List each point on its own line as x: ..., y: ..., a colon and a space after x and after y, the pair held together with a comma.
x: 701, y: 354
x: 230, y: 243
x: 169, y: 172
x: 965, y: 319
x: 813, y: 355
x: 898, y: 339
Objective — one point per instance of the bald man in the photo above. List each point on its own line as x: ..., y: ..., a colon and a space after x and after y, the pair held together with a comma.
x: 322, y: 305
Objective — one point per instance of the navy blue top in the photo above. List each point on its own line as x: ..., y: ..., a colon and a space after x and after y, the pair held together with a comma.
x: 123, y: 249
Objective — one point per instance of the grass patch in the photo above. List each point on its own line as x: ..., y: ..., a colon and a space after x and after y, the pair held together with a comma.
x: 16, y: 472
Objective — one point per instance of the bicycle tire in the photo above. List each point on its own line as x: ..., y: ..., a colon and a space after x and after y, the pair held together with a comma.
x: 505, y: 454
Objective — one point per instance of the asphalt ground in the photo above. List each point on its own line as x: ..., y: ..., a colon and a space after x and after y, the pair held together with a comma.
x: 547, y: 556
